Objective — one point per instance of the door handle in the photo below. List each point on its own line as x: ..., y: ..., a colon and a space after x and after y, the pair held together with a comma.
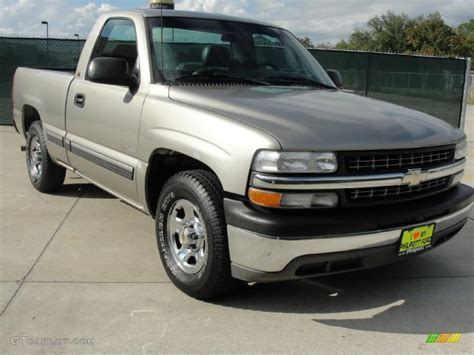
x: 80, y: 100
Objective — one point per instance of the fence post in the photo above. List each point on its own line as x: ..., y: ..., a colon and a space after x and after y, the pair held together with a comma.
x: 465, y: 95
x: 367, y: 71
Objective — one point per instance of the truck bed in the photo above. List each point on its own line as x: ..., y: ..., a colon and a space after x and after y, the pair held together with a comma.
x: 58, y: 69
x: 44, y: 89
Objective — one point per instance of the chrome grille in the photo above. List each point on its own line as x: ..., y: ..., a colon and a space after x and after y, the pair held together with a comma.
x: 381, y: 193
x: 393, y: 161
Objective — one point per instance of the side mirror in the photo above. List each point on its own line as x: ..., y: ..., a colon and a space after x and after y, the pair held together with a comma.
x: 335, y: 77
x: 113, y: 71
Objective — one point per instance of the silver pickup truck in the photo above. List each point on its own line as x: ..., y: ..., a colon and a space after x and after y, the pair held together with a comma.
x: 256, y: 166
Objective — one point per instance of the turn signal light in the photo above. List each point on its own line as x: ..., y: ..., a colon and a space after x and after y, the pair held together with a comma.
x: 265, y: 198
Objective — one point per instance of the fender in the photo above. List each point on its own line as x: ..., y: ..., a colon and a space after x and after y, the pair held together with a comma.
x: 224, y: 144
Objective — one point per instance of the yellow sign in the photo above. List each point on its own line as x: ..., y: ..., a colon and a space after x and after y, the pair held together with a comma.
x: 416, y: 239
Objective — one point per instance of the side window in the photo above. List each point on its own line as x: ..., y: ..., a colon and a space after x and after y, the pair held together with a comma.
x: 118, y: 39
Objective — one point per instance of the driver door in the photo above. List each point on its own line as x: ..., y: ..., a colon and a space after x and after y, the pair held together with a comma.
x: 103, y: 120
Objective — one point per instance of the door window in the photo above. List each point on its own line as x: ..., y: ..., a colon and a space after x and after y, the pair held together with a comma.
x: 118, y: 39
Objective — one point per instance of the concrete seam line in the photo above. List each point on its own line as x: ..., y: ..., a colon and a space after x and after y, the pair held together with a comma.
x: 86, y: 282
x: 22, y: 280
x: 99, y: 282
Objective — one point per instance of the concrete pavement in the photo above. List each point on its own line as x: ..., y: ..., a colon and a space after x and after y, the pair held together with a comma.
x: 81, y: 264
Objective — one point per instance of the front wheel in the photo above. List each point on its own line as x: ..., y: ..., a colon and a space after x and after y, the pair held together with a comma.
x: 45, y: 175
x: 191, y: 235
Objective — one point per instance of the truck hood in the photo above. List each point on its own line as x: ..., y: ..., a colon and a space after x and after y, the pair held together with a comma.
x: 309, y: 119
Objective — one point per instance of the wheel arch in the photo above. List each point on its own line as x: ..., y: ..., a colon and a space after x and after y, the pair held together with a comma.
x: 30, y: 115
x: 164, y: 163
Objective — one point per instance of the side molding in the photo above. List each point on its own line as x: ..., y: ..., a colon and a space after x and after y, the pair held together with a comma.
x: 97, y: 158
x: 55, y: 138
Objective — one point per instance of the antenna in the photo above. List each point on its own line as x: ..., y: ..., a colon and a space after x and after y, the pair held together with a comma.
x: 162, y: 4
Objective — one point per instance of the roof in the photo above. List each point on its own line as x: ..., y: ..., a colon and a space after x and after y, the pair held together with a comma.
x: 201, y: 15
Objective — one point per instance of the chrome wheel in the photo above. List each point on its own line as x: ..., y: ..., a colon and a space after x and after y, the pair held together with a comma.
x: 35, y: 158
x: 187, y: 236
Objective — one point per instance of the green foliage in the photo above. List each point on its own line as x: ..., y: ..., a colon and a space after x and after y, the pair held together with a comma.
x: 428, y: 35
x: 432, y: 36
x: 360, y: 40
x: 466, y: 32
x: 389, y: 31
x: 385, y: 33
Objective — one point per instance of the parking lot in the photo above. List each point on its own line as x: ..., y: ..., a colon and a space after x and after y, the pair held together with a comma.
x: 83, y: 267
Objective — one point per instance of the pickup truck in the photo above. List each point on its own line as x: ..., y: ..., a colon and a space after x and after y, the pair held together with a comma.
x: 253, y: 161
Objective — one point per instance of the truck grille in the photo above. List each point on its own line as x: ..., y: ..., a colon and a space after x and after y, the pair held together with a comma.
x: 397, y: 192
x: 393, y: 161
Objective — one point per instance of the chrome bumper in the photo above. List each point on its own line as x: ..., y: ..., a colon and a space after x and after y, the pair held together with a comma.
x: 413, y: 177
x: 262, y: 253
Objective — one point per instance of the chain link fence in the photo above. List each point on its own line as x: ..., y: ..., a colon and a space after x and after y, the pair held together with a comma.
x: 31, y: 52
x: 428, y: 84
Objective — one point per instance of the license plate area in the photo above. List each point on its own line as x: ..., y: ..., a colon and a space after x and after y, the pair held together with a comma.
x: 416, y: 239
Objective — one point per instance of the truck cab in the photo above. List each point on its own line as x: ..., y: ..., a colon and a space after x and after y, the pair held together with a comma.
x: 253, y: 161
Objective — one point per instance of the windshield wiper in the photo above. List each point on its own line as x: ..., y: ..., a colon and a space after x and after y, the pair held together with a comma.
x: 218, y: 78
x: 297, y: 79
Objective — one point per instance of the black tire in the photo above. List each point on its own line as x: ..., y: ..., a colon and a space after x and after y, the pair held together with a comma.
x: 203, y: 190
x: 50, y: 176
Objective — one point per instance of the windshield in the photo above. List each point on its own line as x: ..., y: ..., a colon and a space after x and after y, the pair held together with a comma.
x: 203, y: 50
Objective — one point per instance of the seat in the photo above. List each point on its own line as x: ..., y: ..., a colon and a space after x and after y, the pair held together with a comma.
x: 215, y: 56
x: 127, y: 51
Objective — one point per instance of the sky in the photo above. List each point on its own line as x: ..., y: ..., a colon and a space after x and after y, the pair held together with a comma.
x: 321, y: 20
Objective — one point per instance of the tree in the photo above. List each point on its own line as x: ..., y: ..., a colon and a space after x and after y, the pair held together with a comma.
x: 466, y: 32
x: 360, y: 40
x: 306, y: 41
x: 389, y: 31
x: 432, y: 36
x: 428, y: 35
x: 385, y: 33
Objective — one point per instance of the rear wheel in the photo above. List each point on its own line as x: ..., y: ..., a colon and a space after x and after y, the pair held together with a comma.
x: 45, y: 175
x: 191, y: 235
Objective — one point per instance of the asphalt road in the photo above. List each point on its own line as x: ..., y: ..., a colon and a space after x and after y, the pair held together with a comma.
x: 82, y: 267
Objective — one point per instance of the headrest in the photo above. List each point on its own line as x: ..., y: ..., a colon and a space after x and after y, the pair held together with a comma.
x: 214, y: 56
x: 125, y: 51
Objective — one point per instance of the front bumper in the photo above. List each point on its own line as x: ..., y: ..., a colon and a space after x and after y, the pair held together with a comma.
x: 271, y: 246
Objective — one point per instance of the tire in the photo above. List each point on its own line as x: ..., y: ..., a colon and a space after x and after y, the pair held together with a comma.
x: 201, y: 270
x: 45, y: 175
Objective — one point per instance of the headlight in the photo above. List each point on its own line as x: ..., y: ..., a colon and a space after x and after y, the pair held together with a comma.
x: 267, y: 161
x: 461, y: 151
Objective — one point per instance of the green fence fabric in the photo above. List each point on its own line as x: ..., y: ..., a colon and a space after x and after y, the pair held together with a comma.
x: 31, y: 52
x: 428, y: 84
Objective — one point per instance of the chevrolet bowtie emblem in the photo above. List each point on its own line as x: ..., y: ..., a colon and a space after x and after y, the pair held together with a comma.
x: 414, y: 177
